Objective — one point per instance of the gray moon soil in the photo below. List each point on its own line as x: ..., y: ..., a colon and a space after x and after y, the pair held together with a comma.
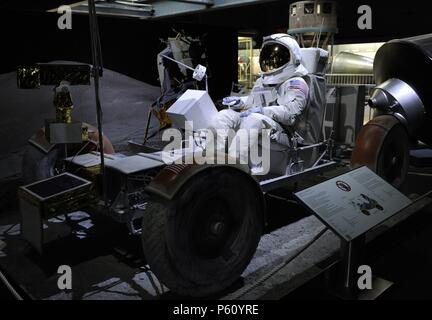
x: 125, y: 102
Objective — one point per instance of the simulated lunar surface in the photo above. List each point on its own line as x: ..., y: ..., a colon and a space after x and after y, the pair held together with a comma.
x: 125, y: 102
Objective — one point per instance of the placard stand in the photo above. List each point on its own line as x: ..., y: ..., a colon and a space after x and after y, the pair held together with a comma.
x: 351, y: 205
x: 352, y: 254
x: 345, y: 284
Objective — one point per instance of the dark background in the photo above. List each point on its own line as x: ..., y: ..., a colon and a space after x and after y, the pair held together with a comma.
x: 29, y: 34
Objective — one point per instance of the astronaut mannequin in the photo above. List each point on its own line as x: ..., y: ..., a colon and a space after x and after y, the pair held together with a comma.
x: 277, y: 99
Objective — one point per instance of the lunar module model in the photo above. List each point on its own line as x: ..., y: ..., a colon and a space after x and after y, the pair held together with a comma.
x: 176, y: 75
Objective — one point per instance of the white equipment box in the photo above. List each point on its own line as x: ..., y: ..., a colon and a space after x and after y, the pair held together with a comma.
x: 195, y: 106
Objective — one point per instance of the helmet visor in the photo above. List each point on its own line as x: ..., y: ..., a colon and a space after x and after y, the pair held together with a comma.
x: 273, y: 56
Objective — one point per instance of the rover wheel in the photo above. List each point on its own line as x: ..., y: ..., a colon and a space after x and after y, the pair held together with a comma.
x: 199, y: 243
x: 38, y: 165
x: 383, y: 146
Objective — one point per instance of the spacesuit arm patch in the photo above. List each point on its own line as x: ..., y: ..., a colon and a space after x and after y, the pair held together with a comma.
x: 298, y: 84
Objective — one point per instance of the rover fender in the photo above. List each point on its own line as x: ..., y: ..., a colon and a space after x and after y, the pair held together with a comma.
x: 383, y: 146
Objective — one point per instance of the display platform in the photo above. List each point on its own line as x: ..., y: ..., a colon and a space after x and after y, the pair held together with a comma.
x: 107, y: 263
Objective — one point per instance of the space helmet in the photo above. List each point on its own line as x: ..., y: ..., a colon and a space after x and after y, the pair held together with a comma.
x: 280, y: 59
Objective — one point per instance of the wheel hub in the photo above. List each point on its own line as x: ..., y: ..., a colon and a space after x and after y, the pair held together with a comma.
x: 393, y: 163
x: 217, y: 228
x: 213, y: 228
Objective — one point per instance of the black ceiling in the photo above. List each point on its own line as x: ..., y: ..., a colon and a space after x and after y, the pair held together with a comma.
x: 29, y: 34
x: 390, y: 18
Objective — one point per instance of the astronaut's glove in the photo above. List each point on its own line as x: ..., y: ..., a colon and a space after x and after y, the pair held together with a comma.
x: 275, y: 135
x: 248, y: 112
x: 233, y: 102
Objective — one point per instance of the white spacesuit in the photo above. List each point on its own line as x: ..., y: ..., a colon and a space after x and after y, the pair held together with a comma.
x: 277, y: 99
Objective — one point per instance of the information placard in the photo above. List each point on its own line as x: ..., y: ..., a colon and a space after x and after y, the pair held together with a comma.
x: 354, y: 202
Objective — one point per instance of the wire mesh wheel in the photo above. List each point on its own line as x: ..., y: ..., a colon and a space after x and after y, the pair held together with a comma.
x: 199, y: 243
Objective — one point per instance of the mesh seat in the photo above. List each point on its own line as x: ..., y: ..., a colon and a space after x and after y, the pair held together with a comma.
x: 310, y: 123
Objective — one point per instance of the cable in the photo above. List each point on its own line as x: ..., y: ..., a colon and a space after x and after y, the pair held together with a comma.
x: 178, y: 62
x: 10, y: 287
x: 281, y: 266
x: 420, y: 174
x: 10, y: 228
x: 427, y: 194
x: 281, y: 198
x: 79, y: 151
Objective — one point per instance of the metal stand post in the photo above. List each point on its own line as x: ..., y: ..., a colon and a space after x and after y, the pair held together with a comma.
x: 345, y: 284
x: 352, y: 255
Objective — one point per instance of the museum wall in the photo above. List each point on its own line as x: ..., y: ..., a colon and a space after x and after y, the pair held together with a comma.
x: 129, y: 46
